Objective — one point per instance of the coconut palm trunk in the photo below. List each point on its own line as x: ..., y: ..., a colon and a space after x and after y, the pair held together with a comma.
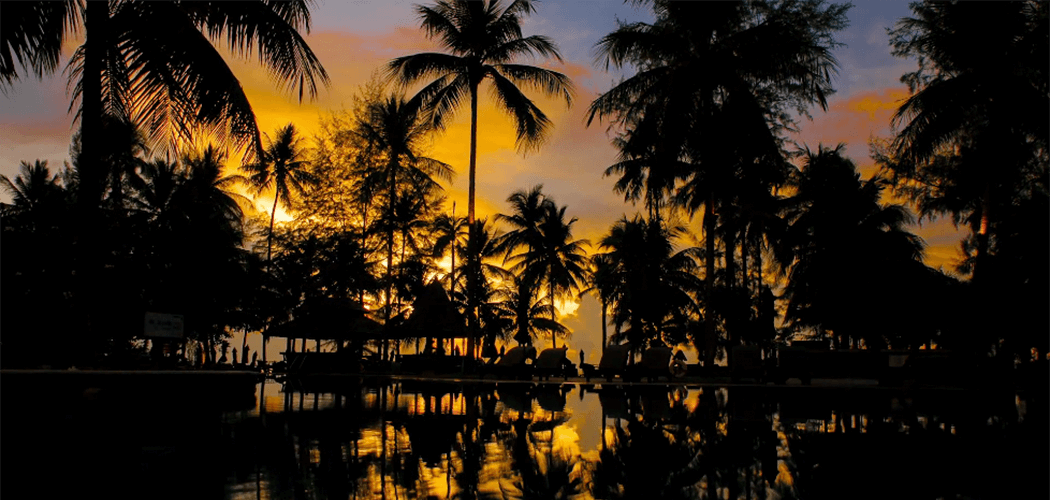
x: 710, y: 336
x: 97, y: 21
x: 605, y: 324
x: 472, y: 236
x: 269, y: 237
x: 554, y: 315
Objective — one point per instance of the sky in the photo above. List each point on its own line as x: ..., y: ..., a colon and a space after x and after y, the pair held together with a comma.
x: 355, y: 38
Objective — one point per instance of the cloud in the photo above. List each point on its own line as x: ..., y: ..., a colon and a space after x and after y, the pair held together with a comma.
x: 853, y: 120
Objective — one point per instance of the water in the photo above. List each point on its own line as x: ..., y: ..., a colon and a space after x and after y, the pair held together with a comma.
x: 375, y: 438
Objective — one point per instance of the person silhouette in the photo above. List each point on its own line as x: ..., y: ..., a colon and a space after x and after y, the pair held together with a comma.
x: 581, y: 357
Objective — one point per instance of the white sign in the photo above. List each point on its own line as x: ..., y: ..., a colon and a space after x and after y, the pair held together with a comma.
x: 163, y: 325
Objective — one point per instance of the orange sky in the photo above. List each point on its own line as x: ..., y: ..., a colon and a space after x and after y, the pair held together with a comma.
x: 354, y: 39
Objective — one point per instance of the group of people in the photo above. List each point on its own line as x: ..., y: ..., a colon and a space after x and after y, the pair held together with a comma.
x: 193, y: 353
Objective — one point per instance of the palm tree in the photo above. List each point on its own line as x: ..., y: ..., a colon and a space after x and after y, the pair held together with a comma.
x: 282, y: 170
x: 394, y: 129
x: 34, y: 192
x: 483, y: 39
x: 541, y: 247
x: 530, y: 316
x: 187, y: 234
x: 450, y: 234
x: 156, y: 63
x: 481, y: 277
x: 973, y: 134
x: 714, y: 82
x: 649, y: 287
x: 837, y: 221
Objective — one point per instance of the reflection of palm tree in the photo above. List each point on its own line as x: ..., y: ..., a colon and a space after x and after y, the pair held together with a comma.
x: 646, y: 462
x: 280, y: 169
x: 533, y: 469
x: 483, y: 40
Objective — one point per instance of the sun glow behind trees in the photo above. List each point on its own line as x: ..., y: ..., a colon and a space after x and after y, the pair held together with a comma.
x: 569, y: 163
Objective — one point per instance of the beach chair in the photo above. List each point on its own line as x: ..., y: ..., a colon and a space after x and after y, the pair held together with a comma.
x: 655, y: 363
x: 613, y: 363
x: 553, y: 362
x: 513, y: 363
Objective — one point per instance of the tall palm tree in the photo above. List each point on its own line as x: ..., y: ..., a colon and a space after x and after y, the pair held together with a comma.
x: 541, y: 246
x: 482, y: 39
x: 282, y: 170
x: 157, y: 64
x: 394, y: 129
x: 714, y: 83
x: 973, y: 135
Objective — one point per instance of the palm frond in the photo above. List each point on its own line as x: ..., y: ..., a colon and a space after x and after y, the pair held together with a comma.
x: 531, y: 123
x: 549, y: 82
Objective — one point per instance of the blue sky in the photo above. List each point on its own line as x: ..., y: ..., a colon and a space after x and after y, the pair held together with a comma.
x: 355, y: 38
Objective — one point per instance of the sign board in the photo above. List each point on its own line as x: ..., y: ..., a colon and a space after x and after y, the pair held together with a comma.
x: 159, y: 325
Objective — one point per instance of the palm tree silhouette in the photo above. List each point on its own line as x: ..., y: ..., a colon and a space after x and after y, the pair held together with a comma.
x: 975, y: 125
x: 394, y: 129
x: 529, y: 314
x: 836, y: 220
x: 450, y: 235
x: 541, y: 247
x: 482, y: 39
x: 649, y: 287
x: 34, y: 192
x: 713, y: 83
x: 481, y: 274
x: 156, y: 65
x: 282, y: 170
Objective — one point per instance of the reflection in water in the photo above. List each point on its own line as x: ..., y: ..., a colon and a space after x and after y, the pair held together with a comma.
x: 373, y: 438
x: 415, y: 440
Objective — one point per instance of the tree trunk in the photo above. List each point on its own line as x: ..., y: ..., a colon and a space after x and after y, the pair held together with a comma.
x: 90, y: 169
x: 733, y: 316
x: 89, y: 191
x: 710, y: 339
x: 473, y: 237
x: 269, y: 238
x: 364, y: 243
x: 391, y: 195
x: 452, y: 271
x: 605, y: 325
x: 982, y: 235
x: 554, y: 316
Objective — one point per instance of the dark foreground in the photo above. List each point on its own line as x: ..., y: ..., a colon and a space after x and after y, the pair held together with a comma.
x: 377, y: 437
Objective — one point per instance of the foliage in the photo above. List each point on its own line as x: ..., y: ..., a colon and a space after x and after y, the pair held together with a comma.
x: 540, y: 247
x: 650, y: 288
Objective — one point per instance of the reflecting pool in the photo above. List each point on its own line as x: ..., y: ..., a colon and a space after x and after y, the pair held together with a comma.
x: 381, y: 438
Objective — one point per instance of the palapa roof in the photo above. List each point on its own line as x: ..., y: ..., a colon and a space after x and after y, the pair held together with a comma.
x: 434, y: 315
